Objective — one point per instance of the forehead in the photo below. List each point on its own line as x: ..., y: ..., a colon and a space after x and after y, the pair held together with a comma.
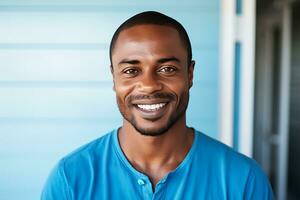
x: 148, y: 39
x: 146, y: 30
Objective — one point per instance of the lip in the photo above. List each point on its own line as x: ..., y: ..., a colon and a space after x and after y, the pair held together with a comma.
x: 151, y: 114
x: 150, y: 101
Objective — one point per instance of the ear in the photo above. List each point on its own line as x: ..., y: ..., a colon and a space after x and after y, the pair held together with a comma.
x: 113, y: 76
x: 191, y: 73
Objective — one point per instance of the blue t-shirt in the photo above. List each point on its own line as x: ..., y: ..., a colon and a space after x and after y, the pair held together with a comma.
x: 210, y: 170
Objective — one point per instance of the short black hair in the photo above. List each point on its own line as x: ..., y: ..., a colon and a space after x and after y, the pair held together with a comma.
x: 155, y: 18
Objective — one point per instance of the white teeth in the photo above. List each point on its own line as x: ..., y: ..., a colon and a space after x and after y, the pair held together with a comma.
x: 151, y: 107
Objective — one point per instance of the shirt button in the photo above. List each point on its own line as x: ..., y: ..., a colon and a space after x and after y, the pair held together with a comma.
x: 141, y: 182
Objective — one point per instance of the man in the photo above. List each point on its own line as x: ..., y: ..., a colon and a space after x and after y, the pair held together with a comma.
x: 154, y: 155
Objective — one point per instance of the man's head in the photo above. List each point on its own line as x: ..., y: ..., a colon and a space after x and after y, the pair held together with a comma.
x: 152, y: 71
x: 154, y: 18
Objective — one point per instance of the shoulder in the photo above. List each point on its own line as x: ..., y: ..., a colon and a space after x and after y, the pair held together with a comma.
x: 87, y: 155
x: 242, y: 174
x: 77, y: 167
x: 96, y: 146
x: 209, y: 148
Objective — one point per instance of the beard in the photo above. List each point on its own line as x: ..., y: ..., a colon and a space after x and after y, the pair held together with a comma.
x: 177, y: 113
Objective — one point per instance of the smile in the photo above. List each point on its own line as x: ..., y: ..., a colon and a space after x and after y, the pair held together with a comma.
x: 151, y: 107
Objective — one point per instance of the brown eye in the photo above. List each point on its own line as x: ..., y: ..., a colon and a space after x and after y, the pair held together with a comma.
x: 167, y: 70
x: 130, y: 72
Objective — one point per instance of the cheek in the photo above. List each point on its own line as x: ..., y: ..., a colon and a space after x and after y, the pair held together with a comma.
x: 180, y: 82
x: 120, y: 98
x: 182, y: 93
x: 122, y: 91
x: 178, y: 87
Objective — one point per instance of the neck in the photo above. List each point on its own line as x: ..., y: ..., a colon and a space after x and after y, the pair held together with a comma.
x: 152, y: 154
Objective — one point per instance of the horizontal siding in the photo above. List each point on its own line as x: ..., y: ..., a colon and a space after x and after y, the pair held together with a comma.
x: 54, y: 65
x: 79, y: 65
x: 55, y: 137
x: 56, y: 87
x: 50, y: 136
x: 58, y: 102
x: 81, y: 102
x: 121, y: 7
x: 23, y: 182
x: 200, y: 5
x: 88, y: 28
x: 207, y: 66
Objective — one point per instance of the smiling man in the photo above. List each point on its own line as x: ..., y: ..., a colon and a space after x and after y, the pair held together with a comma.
x: 154, y: 155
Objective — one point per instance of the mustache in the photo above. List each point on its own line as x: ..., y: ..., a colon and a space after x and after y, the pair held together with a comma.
x: 158, y: 95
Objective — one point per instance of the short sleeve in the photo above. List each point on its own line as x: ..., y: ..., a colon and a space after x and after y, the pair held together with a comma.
x: 258, y: 186
x: 56, y: 186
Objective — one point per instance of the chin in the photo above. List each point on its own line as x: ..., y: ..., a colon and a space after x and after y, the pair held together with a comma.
x: 154, y: 128
x: 151, y: 131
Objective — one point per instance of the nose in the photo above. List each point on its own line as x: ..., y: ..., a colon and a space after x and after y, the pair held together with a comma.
x: 149, y: 83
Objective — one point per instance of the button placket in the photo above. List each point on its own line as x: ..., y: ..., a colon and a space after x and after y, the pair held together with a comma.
x: 146, y: 187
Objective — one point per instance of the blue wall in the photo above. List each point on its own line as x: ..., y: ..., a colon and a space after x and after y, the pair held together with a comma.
x: 55, y: 86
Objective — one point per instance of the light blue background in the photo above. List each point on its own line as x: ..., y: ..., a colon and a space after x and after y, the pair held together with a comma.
x: 55, y: 85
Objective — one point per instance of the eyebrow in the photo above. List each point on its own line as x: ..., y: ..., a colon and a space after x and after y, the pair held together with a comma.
x: 169, y: 59
x: 132, y: 62
x: 161, y: 60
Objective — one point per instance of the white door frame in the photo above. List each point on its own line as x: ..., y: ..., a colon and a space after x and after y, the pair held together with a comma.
x: 226, y: 73
x: 237, y: 28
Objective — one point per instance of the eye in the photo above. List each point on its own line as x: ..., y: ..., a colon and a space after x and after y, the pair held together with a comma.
x: 167, y: 69
x: 130, y: 71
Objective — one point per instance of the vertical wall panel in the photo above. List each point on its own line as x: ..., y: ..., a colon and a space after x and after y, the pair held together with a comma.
x: 294, y: 124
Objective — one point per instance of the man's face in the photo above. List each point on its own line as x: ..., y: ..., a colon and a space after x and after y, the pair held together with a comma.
x: 151, y: 77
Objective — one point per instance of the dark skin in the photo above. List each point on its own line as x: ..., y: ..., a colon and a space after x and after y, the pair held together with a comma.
x: 151, y: 59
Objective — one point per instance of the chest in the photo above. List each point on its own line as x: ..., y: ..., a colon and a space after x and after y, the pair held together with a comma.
x: 185, y: 184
